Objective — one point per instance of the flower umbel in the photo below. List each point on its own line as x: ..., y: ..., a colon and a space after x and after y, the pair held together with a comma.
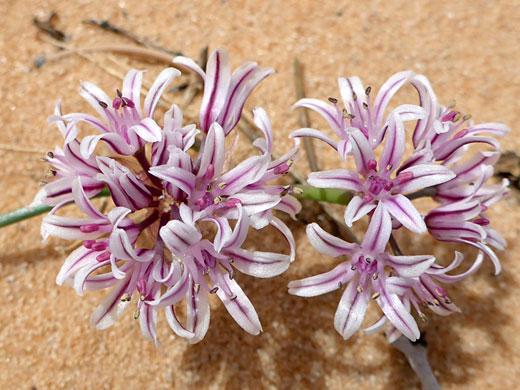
x: 169, y: 239
x: 384, y: 189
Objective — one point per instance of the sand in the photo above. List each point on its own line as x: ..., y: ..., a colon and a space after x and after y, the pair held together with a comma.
x: 468, y: 49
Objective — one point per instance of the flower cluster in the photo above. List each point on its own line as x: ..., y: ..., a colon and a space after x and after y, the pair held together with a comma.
x: 169, y: 238
x: 440, y: 166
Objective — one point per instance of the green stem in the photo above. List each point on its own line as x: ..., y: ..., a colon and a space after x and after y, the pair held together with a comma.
x: 330, y: 195
x: 28, y: 212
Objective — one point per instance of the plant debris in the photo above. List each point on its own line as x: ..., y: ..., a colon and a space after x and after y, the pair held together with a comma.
x: 47, y: 26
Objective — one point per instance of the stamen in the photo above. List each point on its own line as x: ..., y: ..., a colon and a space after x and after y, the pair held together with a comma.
x: 457, y: 117
x: 119, y: 94
x: 88, y: 243
x: 233, y: 297
x: 375, y: 296
x: 466, y: 117
x: 217, y: 200
x: 232, y: 274
x: 222, y: 185
x: 368, y: 90
x: 368, y: 260
x: 353, y: 268
x: 423, y: 317
x: 372, y: 165
x: 213, y: 290
x: 359, y: 289
x: 89, y: 228
x: 50, y: 154
x: 365, y: 106
x: 136, y: 314
x: 354, y: 96
x: 333, y: 100
x: 126, y: 297
x: 350, y: 116
x: 103, y: 104
x: 375, y: 276
x: 116, y: 103
x: 196, y: 287
x: 98, y: 246
x: 141, y: 288
x: 389, y: 167
x: 340, y: 285
x: 42, y: 183
x: 231, y: 261
x: 103, y: 257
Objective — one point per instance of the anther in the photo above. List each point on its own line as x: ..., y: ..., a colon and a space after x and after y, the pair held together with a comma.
x: 136, y: 314
x: 436, y: 302
x: 389, y: 167
x: 103, y: 104
x: 353, y: 268
x: 368, y: 90
x: 375, y: 296
x: 333, y: 100
x: 98, y: 246
x: 233, y: 297
x: 126, y: 297
x: 231, y: 274
x: 368, y: 260
x: 89, y: 228
x: 213, y: 290
x: 466, y: 117
x: 217, y: 200
x: 457, y: 117
x: 345, y: 113
x: 452, y: 104
x: 372, y: 165
x: 354, y: 96
x: 42, y: 183
x: 350, y: 116
x: 222, y: 185
x: 43, y: 159
x: 423, y: 317
x: 206, y: 271
x: 375, y: 276
x: 447, y: 301
x: 340, y: 285
x: 231, y: 261
x: 196, y: 287
x: 359, y: 289
x: 88, y: 243
x: 119, y: 93
x: 365, y: 106
x: 103, y: 257
x: 50, y: 154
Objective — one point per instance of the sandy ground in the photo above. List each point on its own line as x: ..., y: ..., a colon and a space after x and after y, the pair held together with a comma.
x: 468, y: 49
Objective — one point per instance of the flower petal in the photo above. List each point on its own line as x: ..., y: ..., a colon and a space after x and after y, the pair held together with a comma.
x: 156, y: 90
x: 379, y: 230
x: 356, y: 209
x: 308, y: 132
x: 236, y: 302
x: 327, y: 111
x: 405, y: 212
x: 198, y: 313
x: 179, y: 177
x: 213, y: 151
x: 218, y: 77
x: 191, y: 65
x: 148, y: 130
x: 394, y: 144
x: 322, y: 283
x: 132, y: 88
x: 336, y: 178
x: 112, y: 307
x: 258, y: 264
x: 352, y: 307
x: 387, y: 91
x: 398, y: 315
x: 178, y: 237
x: 411, y: 266
x: 362, y: 151
x: 326, y: 243
x: 426, y: 175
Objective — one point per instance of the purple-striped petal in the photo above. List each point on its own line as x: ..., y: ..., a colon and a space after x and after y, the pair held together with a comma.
x: 198, y: 313
x: 178, y: 237
x: 132, y: 88
x: 411, y: 266
x: 308, y: 132
x: 148, y: 130
x: 326, y: 243
x: 112, y: 307
x: 356, y: 209
x: 175, y: 293
x: 213, y: 152
x: 405, y: 212
x: 387, y: 91
x: 191, y: 65
x: 175, y: 324
x: 394, y: 145
x: 179, y: 177
x: 264, y: 124
x: 247, y: 172
x: 327, y: 111
x: 379, y: 230
x: 236, y: 302
x: 258, y: 264
x: 322, y: 283
x: 159, y: 85
x: 218, y: 77
x: 362, y: 151
x: 426, y: 175
x: 398, y: 315
x: 336, y: 178
x: 352, y: 307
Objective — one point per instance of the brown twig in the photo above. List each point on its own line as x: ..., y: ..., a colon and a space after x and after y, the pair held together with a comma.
x: 47, y: 26
x: 303, y: 115
x: 108, y: 26
x: 20, y: 149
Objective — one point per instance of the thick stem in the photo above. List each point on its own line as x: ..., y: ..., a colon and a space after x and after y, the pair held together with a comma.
x: 28, y: 212
x: 418, y: 360
x: 329, y: 195
x: 140, y: 156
